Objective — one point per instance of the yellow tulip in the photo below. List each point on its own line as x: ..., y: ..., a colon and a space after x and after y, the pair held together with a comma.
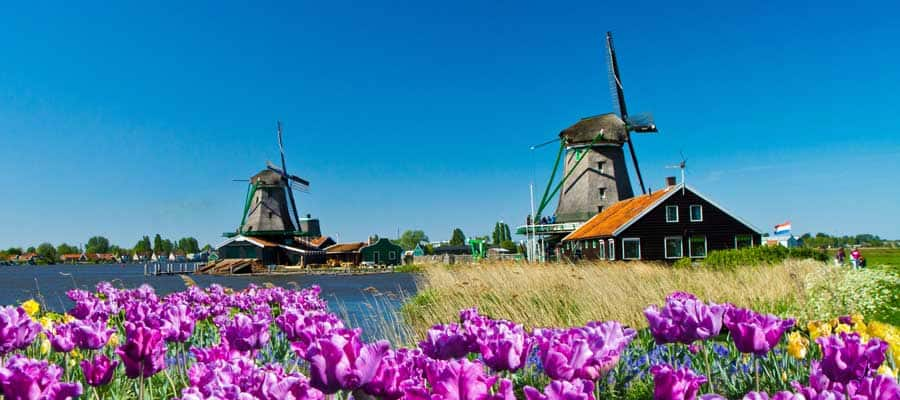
x: 818, y: 329
x: 67, y: 318
x: 46, y: 322
x: 113, y: 340
x: 45, y: 345
x: 885, y: 370
x: 797, y: 345
x: 842, y: 328
x: 31, y: 307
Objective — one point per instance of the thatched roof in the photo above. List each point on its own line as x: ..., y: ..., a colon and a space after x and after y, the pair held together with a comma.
x: 586, y: 130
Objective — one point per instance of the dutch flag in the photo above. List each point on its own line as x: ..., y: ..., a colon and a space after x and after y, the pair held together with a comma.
x: 783, y: 228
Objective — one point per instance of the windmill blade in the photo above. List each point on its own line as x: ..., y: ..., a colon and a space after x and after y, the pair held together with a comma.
x: 641, y: 123
x: 615, y: 81
x: 272, y: 167
x: 297, y: 179
x: 537, y: 146
x: 284, y: 173
x: 240, y: 180
x: 300, y: 188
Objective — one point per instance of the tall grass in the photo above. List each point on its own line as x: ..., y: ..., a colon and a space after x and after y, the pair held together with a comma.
x: 572, y: 294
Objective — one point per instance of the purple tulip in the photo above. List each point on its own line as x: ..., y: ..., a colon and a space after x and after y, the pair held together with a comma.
x: 845, y: 358
x: 89, y: 335
x: 99, y: 370
x: 878, y: 387
x: 585, y: 352
x: 459, y: 380
x: 675, y: 384
x: 245, y: 333
x: 755, y: 333
x: 302, y: 327
x: 177, y: 322
x: 783, y: 395
x: 398, y: 370
x: 61, y: 338
x: 443, y: 342
x: 25, y: 379
x: 819, y: 385
x: 341, y: 362
x: 17, y: 330
x: 144, y: 351
x: 684, y: 319
x: 563, y: 390
x: 504, y: 345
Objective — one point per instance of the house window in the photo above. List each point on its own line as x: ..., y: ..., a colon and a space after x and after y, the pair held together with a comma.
x: 612, y: 249
x: 696, y: 213
x: 601, y: 166
x: 741, y: 241
x: 697, y: 246
x: 601, y: 250
x: 603, y: 193
x: 671, y: 214
x: 674, y: 246
x: 599, y: 209
x: 392, y: 255
x: 631, y: 249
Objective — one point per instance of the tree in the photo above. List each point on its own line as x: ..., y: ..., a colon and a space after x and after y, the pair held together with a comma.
x: 509, y: 245
x: 410, y: 238
x: 501, y: 233
x: 97, y: 244
x: 47, y: 252
x: 458, y: 238
x: 158, y: 245
x: 143, y: 246
x: 14, y: 251
x: 64, y: 248
x: 207, y: 247
x: 31, y: 250
x: 188, y: 245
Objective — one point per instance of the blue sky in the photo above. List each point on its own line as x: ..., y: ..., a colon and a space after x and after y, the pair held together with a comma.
x: 125, y: 120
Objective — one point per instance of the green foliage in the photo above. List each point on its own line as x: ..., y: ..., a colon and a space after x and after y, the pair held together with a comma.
x: 684, y: 262
x: 409, y: 268
x: 47, y: 252
x: 410, y: 238
x: 826, y: 240
x: 31, y: 250
x: 732, y: 258
x: 835, y: 291
x: 501, y: 233
x: 188, y: 245
x: 509, y: 245
x: 64, y: 248
x: 14, y: 251
x: 158, y: 246
x: 143, y: 246
x: 97, y: 244
x: 458, y: 238
x: 207, y: 247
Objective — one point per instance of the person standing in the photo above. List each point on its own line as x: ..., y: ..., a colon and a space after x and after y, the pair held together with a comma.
x: 854, y: 256
x: 840, y: 257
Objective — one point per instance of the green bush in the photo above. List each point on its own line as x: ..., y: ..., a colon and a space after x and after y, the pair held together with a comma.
x: 683, y: 263
x: 724, y: 259
x: 835, y: 291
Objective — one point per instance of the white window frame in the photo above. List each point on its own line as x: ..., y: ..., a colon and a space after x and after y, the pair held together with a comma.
x: 705, y: 247
x: 625, y: 240
x: 392, y: 255
x: 666, y: 247
x: 601, y: 250
x: 612, y: 250
x: 691, y: 212
x: 676, y: 214
x: 743, y: 234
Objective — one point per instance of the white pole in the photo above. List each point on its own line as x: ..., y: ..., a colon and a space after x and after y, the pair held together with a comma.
x: 531, y: 244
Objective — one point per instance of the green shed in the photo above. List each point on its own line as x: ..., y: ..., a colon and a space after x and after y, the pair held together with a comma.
x: 419, y: 250
x: 382, y: 252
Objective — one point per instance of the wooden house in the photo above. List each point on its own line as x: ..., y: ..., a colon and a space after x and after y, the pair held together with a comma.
x: 71, y: 258
x: 382, y: 252
x: 269, y: 253
x: 344, y: 253
x: 669, y: 224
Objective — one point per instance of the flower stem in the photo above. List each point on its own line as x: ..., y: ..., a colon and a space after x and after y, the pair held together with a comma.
x: 756, y: 370
x: 712, y: 387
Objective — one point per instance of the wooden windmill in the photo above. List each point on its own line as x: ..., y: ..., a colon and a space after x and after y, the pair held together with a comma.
x: 595, y: 169
x: 270, y: 208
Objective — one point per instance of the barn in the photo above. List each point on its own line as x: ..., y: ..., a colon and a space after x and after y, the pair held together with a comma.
x: 668, y: 224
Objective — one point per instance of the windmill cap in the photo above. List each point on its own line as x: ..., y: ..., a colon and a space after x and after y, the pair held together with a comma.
x: 585, y: 130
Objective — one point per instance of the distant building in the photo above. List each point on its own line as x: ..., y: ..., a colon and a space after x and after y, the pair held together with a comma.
x: 269, y: 253
x: 382, y: 252
x: 317, y: 243
x: 669, y: 224
x: 419, y: 250
x: 344, y: 253
x: 28, y: 258
x: 454, y: 250
x: 788, y: 241
x: 70, y: 258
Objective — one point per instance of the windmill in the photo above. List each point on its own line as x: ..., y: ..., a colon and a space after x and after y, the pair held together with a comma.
x: 682, y: 166
x: 270, y: 193
x: 595, y: 175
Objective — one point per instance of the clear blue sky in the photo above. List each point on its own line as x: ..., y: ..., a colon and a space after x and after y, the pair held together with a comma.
x: 127, y: 120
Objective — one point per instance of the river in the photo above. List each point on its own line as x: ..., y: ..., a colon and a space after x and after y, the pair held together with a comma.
x: 368, y: 301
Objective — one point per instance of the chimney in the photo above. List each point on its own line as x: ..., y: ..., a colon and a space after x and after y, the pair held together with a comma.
x: 670, y: 181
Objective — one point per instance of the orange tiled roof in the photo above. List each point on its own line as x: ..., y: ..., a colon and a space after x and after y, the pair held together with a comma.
x: 70, y: 257
x: 618, y: 214
x: 345, y: 247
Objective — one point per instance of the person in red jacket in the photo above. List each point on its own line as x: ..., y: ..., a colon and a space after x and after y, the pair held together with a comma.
x: 854, y: 256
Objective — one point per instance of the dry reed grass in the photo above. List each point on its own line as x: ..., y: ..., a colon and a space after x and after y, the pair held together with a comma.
x: 572, y: 294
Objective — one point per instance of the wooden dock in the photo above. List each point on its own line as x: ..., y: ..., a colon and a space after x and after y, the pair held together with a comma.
x: 173, y: 268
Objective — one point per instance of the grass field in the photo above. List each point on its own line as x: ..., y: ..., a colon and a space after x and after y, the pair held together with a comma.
x: 572, y: 294
x: 877, y: 256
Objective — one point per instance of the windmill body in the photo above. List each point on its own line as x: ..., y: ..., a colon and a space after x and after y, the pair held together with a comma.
x: 599, y: 176
x: 268, y: 208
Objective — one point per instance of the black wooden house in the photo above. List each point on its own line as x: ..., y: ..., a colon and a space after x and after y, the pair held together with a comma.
x: 668, y: 224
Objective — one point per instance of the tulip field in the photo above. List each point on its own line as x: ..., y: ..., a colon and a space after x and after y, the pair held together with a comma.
x: 277, y: 343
